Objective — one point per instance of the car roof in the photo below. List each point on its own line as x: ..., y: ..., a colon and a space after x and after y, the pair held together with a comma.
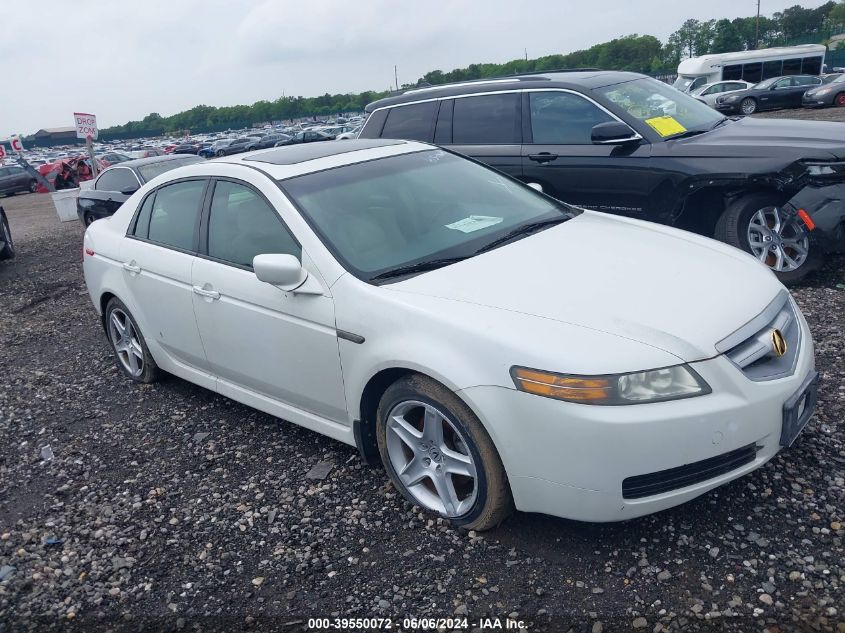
x: 280, y: 163
x: 573, y: 80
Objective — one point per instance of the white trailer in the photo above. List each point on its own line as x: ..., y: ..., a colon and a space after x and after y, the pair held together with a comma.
x: 751, y: 66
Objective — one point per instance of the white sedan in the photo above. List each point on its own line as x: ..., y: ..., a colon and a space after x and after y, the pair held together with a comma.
x: 708, y: 93
x: 492, y: 347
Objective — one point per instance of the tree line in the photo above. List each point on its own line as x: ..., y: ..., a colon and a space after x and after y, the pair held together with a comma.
x: 638, y: 53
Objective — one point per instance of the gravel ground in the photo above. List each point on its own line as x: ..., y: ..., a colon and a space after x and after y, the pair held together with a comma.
x: 167, y: 507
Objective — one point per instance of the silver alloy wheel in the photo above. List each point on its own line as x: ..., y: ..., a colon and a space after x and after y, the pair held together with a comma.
x: 748, y: 106
x: 431, y: 458
x: 126, y: 343
x: 782, y: 244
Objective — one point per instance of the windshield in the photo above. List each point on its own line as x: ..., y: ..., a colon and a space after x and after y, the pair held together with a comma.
x: 685, y: 83
x: 666, y: 110
x: 837, y: 80
x: 148, y: 172
x: 409, y: 209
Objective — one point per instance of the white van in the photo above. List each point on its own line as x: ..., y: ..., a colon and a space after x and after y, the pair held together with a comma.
x: 751, y: 66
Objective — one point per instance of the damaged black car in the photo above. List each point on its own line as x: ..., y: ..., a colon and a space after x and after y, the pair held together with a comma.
x: 627, y: 144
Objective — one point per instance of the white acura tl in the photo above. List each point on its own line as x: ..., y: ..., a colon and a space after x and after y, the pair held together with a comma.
x: 491, y: 346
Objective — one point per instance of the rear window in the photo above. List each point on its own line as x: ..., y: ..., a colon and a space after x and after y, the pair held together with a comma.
x: 410, y: 122
x: 156, y: 169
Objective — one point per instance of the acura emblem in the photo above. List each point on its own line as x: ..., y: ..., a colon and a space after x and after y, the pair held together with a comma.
x: 778, y: 343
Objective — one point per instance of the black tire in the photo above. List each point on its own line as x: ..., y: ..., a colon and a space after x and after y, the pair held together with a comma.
x: 733, y: 227
x: 8, y: 250
x: 149, y: 370
x: 33, y: 186
x: 88, y: 218
x: 748, y: 105
x: 219, y: 153
x: 493, y: 501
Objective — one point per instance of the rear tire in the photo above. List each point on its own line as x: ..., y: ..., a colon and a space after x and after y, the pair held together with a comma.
x: 128, y: 344
x: 219, y: 153
x: 447, y: 461
x: 88, y: 219
x: 8, y: 250
x: 755, y: 224
x: 748, y: 106
x: 32, y: 186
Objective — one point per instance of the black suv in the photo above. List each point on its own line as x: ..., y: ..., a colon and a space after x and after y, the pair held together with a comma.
x: 627, y: 144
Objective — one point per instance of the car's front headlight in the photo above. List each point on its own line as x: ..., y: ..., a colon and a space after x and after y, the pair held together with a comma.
x: 653, y: 385
x: 729, y: 99
x: 821, y: 92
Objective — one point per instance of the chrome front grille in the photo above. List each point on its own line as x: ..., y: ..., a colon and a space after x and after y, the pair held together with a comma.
x: 752, y: 347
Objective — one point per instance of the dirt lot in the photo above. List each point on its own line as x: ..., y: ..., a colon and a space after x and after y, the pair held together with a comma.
x: 167, y: 507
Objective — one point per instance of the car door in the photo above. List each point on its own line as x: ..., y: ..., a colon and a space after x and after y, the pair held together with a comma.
x: 19, y: 179
x: 558, y: 153
x: 485, y: 127
x: 157, y: 255
x: 112, y: 188
x: 5, y: 181
x: 258, y: 338
x: 780, y: 94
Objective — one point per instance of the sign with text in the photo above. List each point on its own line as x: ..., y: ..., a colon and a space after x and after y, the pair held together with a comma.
x: 16, y: 144
x: 86, y: 125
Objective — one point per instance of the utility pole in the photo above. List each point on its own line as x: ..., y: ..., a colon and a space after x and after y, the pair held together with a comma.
x: 526, y: 54
x: 757, y: 28
x: 396, y: 76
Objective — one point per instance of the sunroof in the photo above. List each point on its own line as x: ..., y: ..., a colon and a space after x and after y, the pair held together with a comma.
x: 293, y: 154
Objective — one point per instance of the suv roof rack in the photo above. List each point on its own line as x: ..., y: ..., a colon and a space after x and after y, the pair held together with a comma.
x: 532, y: 76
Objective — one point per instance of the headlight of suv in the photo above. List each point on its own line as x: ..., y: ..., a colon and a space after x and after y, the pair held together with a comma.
x: 653, y: 385
x: 835, y: 170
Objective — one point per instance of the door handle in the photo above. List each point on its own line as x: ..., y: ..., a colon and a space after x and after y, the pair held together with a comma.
x: 542, y: 157
x: 131, y: 267
x: 211, y: 294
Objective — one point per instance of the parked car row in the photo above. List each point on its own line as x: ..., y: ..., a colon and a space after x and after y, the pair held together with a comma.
x: 395, y: 296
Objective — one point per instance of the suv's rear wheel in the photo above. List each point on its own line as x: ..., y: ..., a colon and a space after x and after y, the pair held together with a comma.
x: 757, y: 224
x: 439, y: 456
x: 748, y: 105
x: 8, y: 250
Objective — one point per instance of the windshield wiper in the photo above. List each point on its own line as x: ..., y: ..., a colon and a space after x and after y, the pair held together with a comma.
x: 419, y: 267
x: 686, y: 134
x: 524, y: 229
x: 721, y: 122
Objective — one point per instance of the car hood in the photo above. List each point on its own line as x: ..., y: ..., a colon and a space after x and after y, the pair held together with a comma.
x: 658, y: 286
x: 759, y: 137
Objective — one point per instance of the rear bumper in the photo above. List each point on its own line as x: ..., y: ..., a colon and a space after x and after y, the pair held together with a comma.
x: 826, y: 207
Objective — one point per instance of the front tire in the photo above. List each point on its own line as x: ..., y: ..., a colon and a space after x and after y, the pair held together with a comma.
x: 748, y: 106
x: 8, y: 250
x: 756, y: 224
x: 128, y: 344
x: 839, y: 100
x: 219, y: 153
x: 438, y: 454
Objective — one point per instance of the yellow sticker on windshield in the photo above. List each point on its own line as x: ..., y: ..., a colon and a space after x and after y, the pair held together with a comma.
x: 666, y: 125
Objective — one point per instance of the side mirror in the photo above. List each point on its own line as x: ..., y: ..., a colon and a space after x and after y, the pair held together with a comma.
x: 613, y: 133
x: 284, y: 271
x: 128, y: 191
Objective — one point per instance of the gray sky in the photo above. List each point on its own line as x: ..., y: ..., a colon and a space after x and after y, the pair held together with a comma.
x: 122, y: 60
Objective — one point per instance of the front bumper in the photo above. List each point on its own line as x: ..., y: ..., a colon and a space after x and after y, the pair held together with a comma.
x: 572, y: 460
x: 825, y: 204
x: 728, y: 108
x: 816, y: 102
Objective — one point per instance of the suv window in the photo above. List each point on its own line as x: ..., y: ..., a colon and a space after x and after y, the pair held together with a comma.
x: 375, y: 122
x: 173, y: 217
x: 242, y: 225
x: 412, y: 122
x: 563, y: 118
x: 116, y: 180
x: 488, y: 119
